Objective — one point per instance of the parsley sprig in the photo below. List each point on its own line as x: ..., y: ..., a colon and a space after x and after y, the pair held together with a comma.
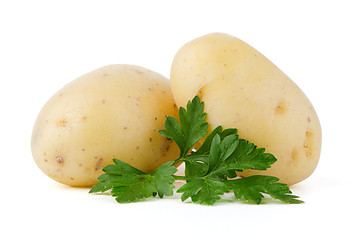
x: 210, y: 172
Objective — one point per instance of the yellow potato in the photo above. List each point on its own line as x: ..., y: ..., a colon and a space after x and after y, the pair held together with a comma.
x: 243, y: 89
x: 112, y: 112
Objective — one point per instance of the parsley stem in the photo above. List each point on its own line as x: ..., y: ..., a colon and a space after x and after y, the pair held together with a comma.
x: 180, y: 159
x: 179, y: 177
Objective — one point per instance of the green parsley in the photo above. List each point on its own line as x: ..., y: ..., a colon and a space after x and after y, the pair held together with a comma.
x: 209, y: 172
x: 128, y: 184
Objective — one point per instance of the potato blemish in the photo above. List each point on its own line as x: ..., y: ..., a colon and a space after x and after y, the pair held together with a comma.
x: 280, y: 108
x: 62, y: 123
x: 294, y: 156
x: 59, y: 160
x: 307, y: 149
x: 98, y: 164
x: 166, y: 146
x: 308, y: 143
x: 138, y: 71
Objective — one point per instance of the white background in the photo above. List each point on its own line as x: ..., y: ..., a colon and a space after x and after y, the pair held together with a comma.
x: 46, y: 44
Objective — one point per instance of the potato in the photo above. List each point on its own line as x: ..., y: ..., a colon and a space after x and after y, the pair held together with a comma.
x: 112, y: 112
x: 243, y: 89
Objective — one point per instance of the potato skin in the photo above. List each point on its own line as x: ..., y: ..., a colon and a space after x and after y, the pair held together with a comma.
x: 112, y: 112
x: 243, y: 89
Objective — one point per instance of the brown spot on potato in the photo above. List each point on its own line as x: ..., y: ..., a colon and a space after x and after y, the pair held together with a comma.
x: 308, y: 143
x: 71, y: 178
x: 84, y: 119
x: 59, y: 160
x: 150, y: 139
x: 138, y: 147
x: 138, y: 71
x: 280, y: 108
x: 294, y: 155
x: 105, y: 75
x: 201, y: 93
x: 79, y: 165
x: 83, y: 149
x: 45, y: 160
x: 166, y: 146
x: 98, y: 164
x: 62, y: 123
x: 155, y: 118
x: 308, y: 151
x: 309, y: 120
x: 124, y: 128
x: 103, y: 101
x: 150, y: 89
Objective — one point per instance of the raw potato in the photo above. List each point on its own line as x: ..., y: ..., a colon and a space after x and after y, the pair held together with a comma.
x: 243, y: 89
x: 112, y: 112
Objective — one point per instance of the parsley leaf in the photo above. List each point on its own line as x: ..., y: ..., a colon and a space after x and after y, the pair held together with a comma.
x: 203, y: 190
x: 129, y: 184
x: 250, y: 189
x: 249, y: 156
x: 190, y: 130
x: 195, y: 162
